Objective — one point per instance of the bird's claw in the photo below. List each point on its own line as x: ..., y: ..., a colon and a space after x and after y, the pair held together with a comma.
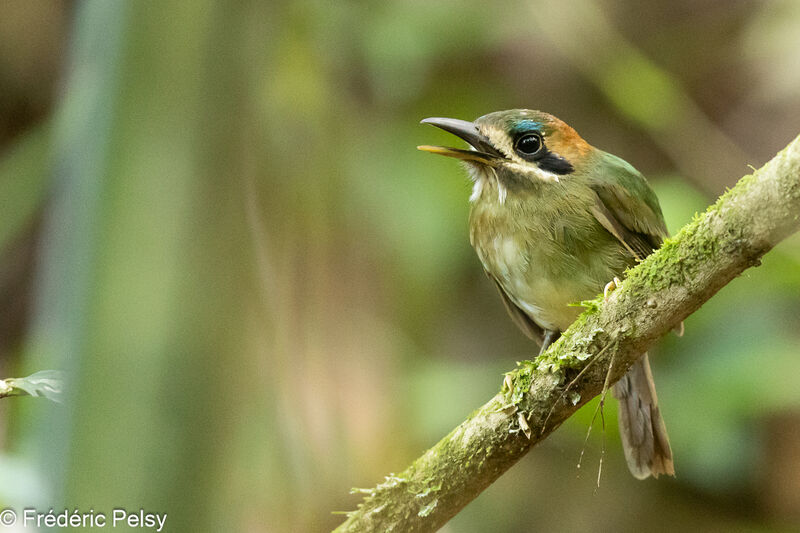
x: 610, y: 287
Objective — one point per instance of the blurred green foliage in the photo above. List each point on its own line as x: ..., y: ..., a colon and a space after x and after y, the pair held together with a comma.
x: 264, y: 295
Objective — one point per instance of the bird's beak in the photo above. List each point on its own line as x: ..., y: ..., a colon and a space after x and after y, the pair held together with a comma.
x: 482, y: 152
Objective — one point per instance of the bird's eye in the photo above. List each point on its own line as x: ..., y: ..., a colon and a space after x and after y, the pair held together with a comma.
x: 529, y: 144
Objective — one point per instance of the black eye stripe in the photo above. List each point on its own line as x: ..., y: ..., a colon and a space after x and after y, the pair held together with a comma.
x: 554, y: 163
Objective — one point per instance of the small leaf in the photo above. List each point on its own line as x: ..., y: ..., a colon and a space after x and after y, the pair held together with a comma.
x: 574, y: 398
x: 523, y: 425
x: 428, y: 509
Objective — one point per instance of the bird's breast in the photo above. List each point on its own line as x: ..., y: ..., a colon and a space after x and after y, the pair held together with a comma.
x: 544, y: 260
x: 525, y: 272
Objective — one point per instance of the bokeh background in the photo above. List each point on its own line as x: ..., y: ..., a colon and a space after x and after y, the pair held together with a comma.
x: 214, y: 218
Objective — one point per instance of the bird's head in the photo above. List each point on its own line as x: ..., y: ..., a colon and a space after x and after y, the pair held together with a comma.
x: 521, y: 145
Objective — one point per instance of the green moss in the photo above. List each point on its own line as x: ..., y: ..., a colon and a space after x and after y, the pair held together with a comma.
x: 423, y: 488
x: 521, y: 378
x: 657, y: 271
x: 743, y: 183
x: 555, y: 359
x: 590, y: 305
x: 677, y: 258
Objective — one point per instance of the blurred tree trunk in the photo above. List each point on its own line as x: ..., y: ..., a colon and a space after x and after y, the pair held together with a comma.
x: 23, y: 184
x: 144, y: 267
x: 191, y: 264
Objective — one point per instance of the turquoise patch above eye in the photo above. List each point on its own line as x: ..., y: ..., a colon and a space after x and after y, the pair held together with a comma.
x: 526, y: 125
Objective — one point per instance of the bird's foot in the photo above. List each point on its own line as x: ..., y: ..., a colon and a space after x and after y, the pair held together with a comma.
x: 610, y: 287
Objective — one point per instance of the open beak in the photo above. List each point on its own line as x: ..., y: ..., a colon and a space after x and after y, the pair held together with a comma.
x: 482, y: 150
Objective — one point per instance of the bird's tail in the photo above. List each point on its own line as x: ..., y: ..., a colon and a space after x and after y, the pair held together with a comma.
x: 644, y: 435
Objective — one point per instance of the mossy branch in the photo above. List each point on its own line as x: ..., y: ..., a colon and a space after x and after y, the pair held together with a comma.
x: 731, y: 236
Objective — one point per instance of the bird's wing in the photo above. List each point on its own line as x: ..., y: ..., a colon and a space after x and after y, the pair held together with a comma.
x: 521, y: 319
x: 627, y: 207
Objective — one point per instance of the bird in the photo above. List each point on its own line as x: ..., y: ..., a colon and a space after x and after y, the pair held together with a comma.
x: 555, y: 221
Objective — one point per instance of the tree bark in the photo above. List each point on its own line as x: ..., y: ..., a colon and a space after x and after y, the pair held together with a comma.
x: 731, y: 236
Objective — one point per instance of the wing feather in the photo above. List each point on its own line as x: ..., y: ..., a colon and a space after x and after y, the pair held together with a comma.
x: 627, y: 207
x: 530, y: 328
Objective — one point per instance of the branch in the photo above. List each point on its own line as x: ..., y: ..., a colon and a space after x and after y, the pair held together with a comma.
x: 732, y: 235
